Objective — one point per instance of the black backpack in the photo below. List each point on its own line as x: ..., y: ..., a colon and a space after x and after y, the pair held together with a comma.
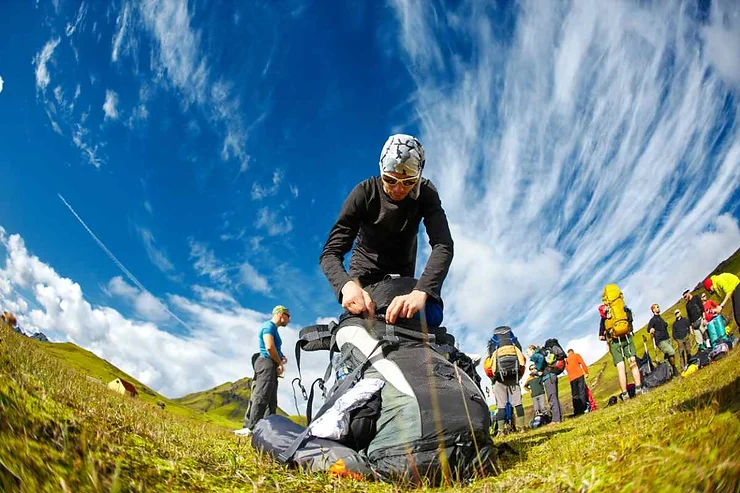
x: 435, y: 419
x: 554, y: 356
x: 503, y: 345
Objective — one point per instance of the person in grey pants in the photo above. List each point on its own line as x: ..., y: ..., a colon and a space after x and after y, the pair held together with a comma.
x: 536, y: 389
x: 549, y: 380
x: 268, y: 366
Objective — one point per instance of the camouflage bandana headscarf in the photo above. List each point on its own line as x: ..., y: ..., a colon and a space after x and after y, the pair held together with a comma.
x: 403, y: 154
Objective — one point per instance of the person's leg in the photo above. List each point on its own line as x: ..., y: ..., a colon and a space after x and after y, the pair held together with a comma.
x: 622, y: 375
x: 501, y: 392
x: 578, y: 390
x: 670, y: 354
x: 515, y: 398
x: 538, y: 403
x: 635, y: 373
x: 264, y: 369
x: 736, y: 306
x: 551, y: 387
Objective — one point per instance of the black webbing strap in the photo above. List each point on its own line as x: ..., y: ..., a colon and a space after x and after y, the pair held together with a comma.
x: 347, y: 382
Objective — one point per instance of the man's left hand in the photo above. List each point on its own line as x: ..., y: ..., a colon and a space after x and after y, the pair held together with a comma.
x: 405, y: 306
x: 284, y: 360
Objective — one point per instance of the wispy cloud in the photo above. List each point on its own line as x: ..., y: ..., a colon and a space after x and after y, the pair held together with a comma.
x: 178, y: 55
x: 259, y: 192
x: 722, y: 39
x: 253, y: 279
x: 122, y: 25
x: 157, y: 255
x: 273, y: 222
x: 41, y: 59
x: 1, y: 84
x: 594, y: 146
x: 110, y: 106
x: 225, y: 274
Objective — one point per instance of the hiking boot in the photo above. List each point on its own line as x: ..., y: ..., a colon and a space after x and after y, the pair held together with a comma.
x: 625, y: 396
x: 642, y: 390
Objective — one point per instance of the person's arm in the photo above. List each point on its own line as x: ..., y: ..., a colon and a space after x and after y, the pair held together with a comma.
x: 440, y: 239
x: 272, y: 351
x: 340, y: 240
x: 583, y: 364
x: 602, y: 329
x: 718, y: 309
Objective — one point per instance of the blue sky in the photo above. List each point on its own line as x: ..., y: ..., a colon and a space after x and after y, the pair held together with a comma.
x: 171, y: 168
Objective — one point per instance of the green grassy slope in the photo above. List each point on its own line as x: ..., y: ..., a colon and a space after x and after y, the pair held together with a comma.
x: 59, y: 431
x: 101, y: 372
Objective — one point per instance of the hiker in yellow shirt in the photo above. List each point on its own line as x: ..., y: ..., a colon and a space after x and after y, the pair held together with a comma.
x: 725, y: 285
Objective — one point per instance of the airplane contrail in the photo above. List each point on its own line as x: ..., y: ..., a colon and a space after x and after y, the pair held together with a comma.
x: 128, y: 273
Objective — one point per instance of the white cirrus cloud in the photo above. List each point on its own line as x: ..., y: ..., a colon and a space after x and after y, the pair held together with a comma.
x: 593, y: 146
x: 110, y: 106
x: 1, y: 84
x: 157, y: 255
x: 41, y: 60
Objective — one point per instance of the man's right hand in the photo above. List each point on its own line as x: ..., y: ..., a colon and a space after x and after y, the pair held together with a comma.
x: 356, y: 300
x: 280, y: 370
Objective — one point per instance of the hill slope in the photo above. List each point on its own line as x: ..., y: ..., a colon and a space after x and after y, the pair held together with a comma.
x: 101, y: 372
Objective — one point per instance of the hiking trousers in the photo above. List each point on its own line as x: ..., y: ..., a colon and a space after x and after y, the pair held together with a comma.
x: 538, y: 403
x: 264, y: 399
x: 551, y: 388
x: 578, y: 391
x: 684, y: 351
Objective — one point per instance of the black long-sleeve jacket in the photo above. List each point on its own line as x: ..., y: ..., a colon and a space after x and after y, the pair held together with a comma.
x: 384, y: 234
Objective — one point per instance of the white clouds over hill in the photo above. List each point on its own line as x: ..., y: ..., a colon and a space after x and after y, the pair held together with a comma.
x: 217, y: 349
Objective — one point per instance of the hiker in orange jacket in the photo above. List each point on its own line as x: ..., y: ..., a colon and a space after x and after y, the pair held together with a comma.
x: 577, y: 372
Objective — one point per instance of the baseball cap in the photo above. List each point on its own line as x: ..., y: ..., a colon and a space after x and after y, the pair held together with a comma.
x: 279, y: 310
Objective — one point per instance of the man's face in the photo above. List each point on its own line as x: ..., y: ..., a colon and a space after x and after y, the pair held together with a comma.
x: 704, y: 297
x: 656, y: 310
x: 284, y: 319
x: 677, y: 314
x: 398, y: 186
x: 687, y: 296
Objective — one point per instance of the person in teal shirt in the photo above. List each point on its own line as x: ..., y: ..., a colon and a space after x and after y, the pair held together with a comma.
x: 268, y: 366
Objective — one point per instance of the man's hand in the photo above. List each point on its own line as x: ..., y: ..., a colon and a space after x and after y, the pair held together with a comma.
x: 356, y: 300
x: 284, y: 360
x: 602, y: 338
x: 717, y: 310
x: 280, y: 370
x: 405, y: 306
x: 652, y: 331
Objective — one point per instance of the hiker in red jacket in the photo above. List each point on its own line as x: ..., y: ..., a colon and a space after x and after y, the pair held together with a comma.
x: 577, y: 372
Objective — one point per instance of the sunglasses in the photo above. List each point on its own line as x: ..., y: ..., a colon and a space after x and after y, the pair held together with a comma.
x: 406, y: 182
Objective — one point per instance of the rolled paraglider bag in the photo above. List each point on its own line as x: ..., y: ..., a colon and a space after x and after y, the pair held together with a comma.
x: 275, y: 434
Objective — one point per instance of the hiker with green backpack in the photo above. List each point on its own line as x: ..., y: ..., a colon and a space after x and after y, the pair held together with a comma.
x: 548, y: 372
x: 615, y: 327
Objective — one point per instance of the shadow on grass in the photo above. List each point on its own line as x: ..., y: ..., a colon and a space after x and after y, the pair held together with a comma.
x: 726, y: 398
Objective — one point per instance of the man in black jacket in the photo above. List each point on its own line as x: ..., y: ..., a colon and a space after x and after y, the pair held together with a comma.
x: 381, y: 217
x: 681, y: 328
x: 695, y: 314
x: 658, y: 328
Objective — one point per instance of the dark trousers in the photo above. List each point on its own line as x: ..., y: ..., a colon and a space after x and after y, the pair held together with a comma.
x: 736, y: 305
x: 551, y: 388
x: 264, y: 393
x: 578, y: 390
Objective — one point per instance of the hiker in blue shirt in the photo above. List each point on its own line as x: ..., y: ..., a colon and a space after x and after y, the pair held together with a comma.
x: 549, y: 380
x: 268, y: 367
